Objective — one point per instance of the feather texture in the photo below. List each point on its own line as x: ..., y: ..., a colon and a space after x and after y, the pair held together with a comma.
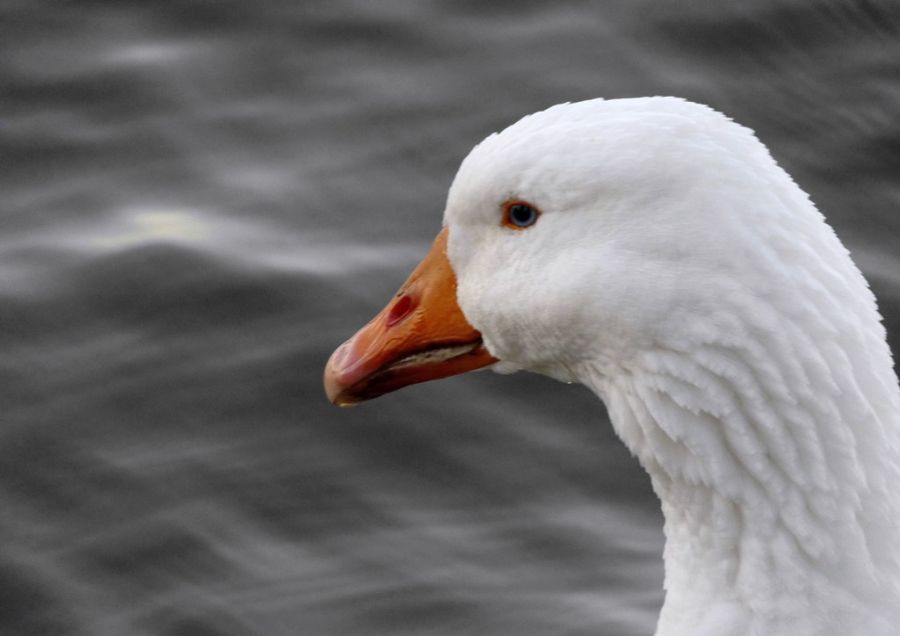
x: 680, y: 273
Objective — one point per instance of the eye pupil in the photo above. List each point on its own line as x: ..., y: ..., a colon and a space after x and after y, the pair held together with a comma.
x: 522, y: 215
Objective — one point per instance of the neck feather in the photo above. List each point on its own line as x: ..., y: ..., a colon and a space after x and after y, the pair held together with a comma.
x: 778, y: 471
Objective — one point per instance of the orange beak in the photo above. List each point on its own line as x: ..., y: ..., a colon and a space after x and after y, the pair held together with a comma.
x: 421, y: 335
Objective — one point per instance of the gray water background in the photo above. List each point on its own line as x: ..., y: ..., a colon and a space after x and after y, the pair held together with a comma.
x: 200, y: 200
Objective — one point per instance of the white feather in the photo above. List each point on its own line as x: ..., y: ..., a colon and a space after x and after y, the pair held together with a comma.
x: 680, y: 273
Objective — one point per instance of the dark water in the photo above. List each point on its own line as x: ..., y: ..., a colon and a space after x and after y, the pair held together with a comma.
x: 200, y: 200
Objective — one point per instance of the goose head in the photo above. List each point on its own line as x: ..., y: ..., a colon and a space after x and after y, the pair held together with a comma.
x: 574, y: 240
x: 625, y: 231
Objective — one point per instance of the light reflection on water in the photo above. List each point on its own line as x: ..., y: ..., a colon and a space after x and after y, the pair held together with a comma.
x: 201, y: 200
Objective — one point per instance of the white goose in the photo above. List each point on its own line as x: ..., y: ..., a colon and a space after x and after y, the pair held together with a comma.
x: 653, y: 250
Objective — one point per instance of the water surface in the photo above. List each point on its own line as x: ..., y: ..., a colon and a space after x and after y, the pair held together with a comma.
x: 200, y: 200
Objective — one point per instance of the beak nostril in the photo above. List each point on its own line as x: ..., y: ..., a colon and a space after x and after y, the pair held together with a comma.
x: 400, y: 310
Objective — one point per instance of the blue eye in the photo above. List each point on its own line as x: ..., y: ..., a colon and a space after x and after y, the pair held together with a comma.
x: 519, y: 215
